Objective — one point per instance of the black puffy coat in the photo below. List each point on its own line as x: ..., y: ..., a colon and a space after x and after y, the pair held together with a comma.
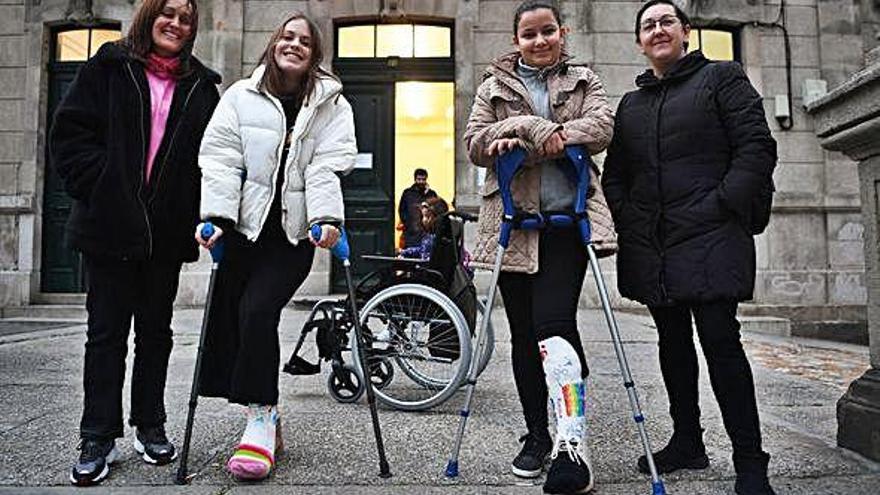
x: 98, y: 145
x: 687, y: 179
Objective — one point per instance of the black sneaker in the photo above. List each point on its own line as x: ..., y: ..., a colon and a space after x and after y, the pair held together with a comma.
x: 753, y: 484
x: 570, y: 471
x: 672, y: 458
x: 530, y: 461
x: 93, y: 466
x: 153, y: 445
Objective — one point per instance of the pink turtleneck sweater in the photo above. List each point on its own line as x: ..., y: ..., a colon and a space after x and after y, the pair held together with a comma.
x: 160, y: 76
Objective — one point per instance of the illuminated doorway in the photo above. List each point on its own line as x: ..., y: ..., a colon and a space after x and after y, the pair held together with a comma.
x: 424, y: 136
x: 399, y: 79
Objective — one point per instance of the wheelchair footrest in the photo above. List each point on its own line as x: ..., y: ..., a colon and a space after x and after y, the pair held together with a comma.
x: 299, y: 366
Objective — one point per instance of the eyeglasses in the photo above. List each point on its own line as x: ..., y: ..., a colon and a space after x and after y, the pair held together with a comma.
x: 666, y: 22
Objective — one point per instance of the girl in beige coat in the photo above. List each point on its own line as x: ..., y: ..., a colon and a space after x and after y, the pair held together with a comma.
x: 536, y: 99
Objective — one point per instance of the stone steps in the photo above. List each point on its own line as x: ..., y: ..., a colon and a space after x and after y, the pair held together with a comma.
x: 47, y: 312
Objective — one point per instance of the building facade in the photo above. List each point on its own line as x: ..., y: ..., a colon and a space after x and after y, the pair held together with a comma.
x: 411, y: 68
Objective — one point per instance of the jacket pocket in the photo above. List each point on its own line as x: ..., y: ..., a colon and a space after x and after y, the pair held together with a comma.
x: 760, y: 208
x: 306, y: 152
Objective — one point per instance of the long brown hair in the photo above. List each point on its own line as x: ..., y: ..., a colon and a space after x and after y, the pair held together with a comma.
x: 139, y: 40
x: 435, y: 207
x: 273, y: 78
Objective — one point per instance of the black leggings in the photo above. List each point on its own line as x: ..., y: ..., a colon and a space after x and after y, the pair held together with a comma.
x: 540, y: 306
x: 275, y: 270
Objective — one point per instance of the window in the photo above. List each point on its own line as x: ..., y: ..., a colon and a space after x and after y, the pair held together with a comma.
x: 715, y: 44
x: 394, y: 40
x: 78, y: 45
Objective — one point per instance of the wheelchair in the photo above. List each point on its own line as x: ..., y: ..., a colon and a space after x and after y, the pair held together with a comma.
x: 418, y: 319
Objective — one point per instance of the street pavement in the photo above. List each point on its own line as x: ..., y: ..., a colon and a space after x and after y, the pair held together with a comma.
x: 330, y: 447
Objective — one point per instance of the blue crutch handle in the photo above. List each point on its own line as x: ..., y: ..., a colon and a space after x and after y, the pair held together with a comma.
x: 506, y: 168
x: 216, y: 251
x: 580, y: 160
x: 341, y: 249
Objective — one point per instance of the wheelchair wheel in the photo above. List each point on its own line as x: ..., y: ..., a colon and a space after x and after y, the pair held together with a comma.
x: 344, y: 384
x: 422, y: 334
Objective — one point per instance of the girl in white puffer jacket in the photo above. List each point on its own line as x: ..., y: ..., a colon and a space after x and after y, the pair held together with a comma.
x: 269, y: 160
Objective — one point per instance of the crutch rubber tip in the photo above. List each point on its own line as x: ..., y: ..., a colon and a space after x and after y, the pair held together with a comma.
x: 180, y: 479
x: 452, y: 469
x: 657, y: 488
x: 384, y: 472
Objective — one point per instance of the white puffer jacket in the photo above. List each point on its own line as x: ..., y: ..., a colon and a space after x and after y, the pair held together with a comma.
x: 240, y: 158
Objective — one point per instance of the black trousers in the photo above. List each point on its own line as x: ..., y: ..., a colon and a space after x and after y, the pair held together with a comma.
x: 729, y: 373
x: 275, y: 270
x: 117, y: 291
x: 540, y: 306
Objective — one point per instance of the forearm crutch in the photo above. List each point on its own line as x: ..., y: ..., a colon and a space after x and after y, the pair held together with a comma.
x: 580, y: 160
x: 342, y: 251
x: 506, y: 167
x: 216, y: 256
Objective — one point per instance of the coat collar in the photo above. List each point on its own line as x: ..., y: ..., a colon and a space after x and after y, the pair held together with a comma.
x: 114, y: 53
x: 325, y: 88
x: 682, y: 69
x: 505, y: 66
x: 564, y: 79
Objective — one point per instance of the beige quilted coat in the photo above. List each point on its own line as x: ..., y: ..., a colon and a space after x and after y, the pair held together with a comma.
x: 503, y: 109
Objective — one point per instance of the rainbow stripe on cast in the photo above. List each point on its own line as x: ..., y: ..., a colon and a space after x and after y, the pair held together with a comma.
x: 575, y: 399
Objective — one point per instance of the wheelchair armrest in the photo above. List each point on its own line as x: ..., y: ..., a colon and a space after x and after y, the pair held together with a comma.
x: 395, y: 262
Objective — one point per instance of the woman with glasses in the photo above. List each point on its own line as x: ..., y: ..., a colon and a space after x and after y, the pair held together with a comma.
x: 536, y: 98
x: 688, y: 180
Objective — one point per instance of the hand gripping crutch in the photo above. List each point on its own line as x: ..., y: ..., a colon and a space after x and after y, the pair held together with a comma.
x: 342, y: 251
x: 580, y: 160
x: 506, y: 167
x: 216, y: 256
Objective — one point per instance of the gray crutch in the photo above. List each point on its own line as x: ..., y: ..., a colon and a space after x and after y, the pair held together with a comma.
x: 506, y: 167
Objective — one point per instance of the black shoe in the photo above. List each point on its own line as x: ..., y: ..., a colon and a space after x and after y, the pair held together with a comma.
x: 570, y: 471
x: 153, y: 445
x: 751, y: 475
x: 93, y: 466
x: 673, y: 457
x: 530, y: 461
x: 753, y: 484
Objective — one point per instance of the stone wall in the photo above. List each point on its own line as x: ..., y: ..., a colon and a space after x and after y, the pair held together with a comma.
x: 19, y: 131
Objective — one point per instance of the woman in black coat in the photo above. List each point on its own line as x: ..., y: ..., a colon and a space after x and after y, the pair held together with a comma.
x: 125, y: 142
x: 688, y: 181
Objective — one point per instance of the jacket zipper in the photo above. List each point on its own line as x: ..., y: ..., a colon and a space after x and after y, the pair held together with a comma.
x: 173, y: 136
x: 661, y: 231
x: 278, y: 164
x: 143, y: 161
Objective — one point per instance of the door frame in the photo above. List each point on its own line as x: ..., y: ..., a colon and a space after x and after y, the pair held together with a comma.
x: 65, y: 69
x: 388, y: 71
